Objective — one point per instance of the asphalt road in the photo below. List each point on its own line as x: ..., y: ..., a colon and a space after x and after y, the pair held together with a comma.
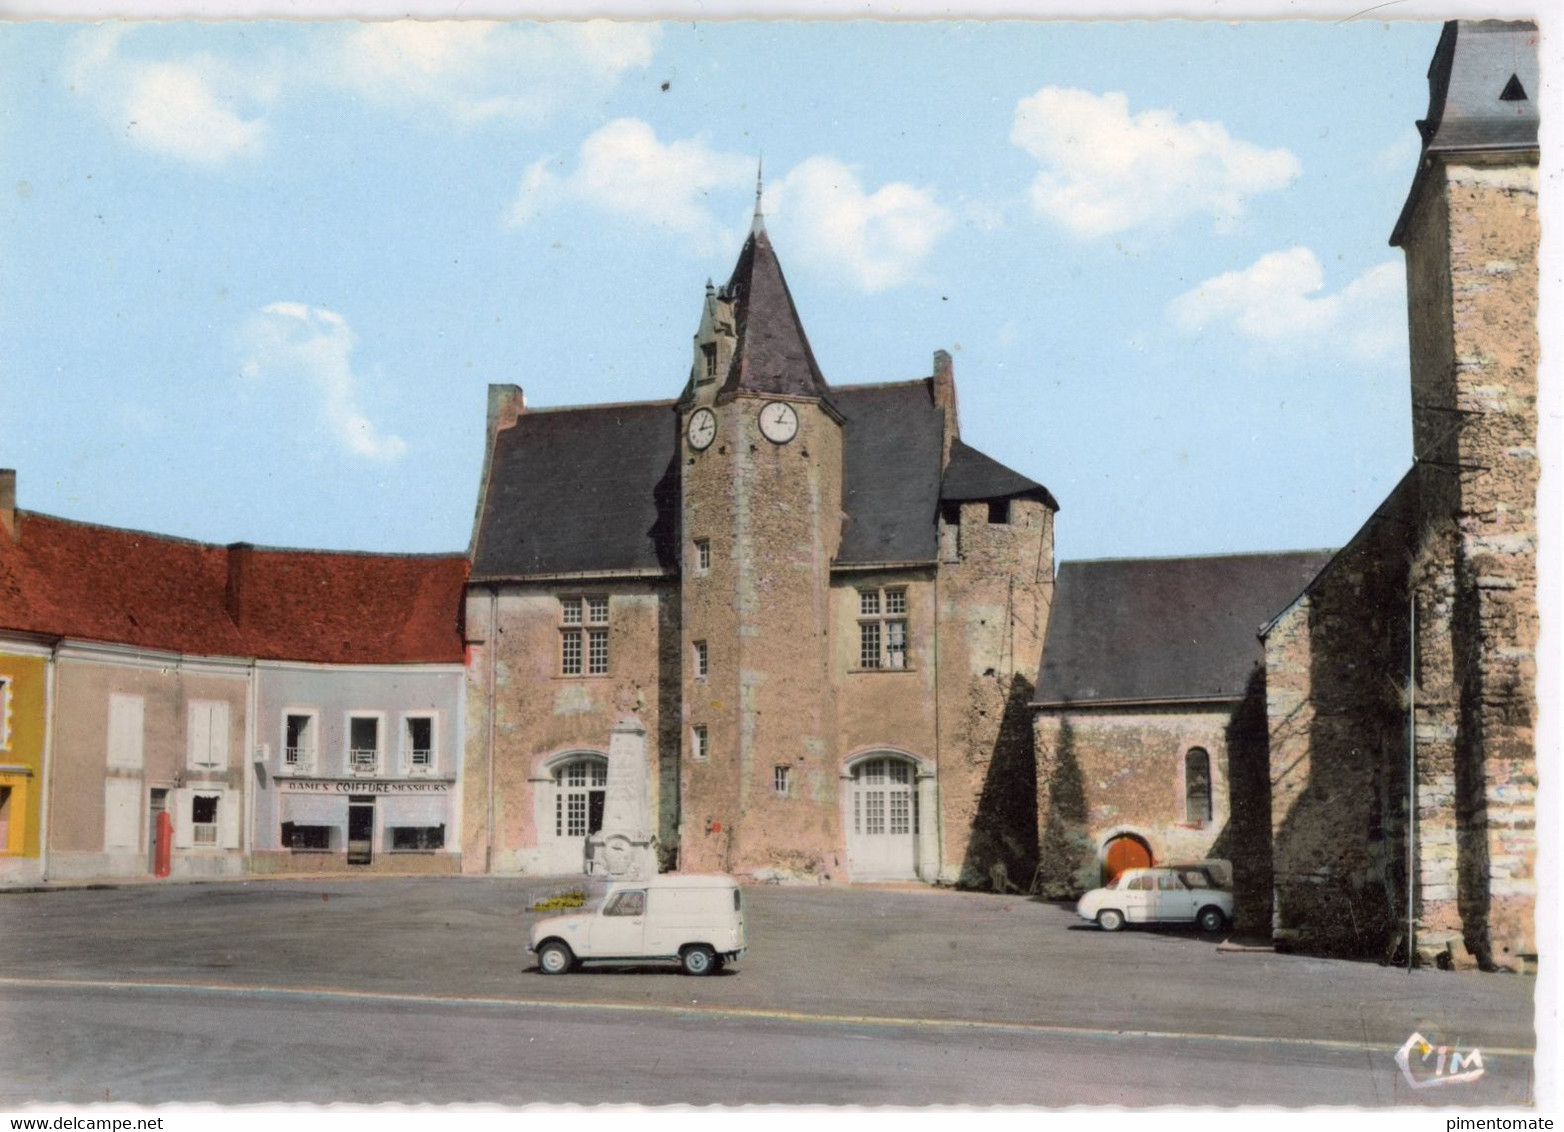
x: 419, y: 990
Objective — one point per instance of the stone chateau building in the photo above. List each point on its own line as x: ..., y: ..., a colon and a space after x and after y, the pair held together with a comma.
x: 791, y: 627
x: 795, y: 630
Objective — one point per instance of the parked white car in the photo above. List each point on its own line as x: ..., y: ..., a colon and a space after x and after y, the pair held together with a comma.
x: 694, y: 920
x: 1175, y: 894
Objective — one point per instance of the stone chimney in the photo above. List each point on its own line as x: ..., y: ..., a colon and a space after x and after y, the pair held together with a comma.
x: 240, y: 556
x: 944, y: 386
x: 8, y: 502
x: 506, y: 404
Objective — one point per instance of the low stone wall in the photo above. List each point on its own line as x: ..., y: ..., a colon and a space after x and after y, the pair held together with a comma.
x: 309, y: 864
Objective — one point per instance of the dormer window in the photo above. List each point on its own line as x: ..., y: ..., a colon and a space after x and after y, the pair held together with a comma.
x: 708, y: 361
x: 1514, y: 91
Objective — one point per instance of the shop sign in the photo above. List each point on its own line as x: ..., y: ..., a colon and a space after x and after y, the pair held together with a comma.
x: 358, y: 786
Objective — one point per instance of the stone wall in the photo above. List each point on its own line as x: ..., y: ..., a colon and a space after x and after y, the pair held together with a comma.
x: 1103, y: 772
x: 540, y: 714
x: 1475, y: 231
x: 1336, y: 682
x: 994, y: 595
x: 772, y: 515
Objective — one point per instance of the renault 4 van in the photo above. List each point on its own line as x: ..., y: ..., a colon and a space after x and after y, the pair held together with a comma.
x: 695, y: 921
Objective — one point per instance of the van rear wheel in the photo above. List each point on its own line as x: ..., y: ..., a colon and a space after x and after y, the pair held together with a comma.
x: 698, y: 960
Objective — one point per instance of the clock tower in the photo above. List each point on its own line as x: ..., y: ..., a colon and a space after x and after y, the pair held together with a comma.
x: 761, y: 516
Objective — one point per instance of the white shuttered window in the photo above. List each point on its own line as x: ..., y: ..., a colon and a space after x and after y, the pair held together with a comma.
x: 126, y: 727
x: 208, y: 735
x: 122, y: 813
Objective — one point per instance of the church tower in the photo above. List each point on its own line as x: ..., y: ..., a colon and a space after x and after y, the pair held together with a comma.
x: 1470, y: 230
x: 761, y: 516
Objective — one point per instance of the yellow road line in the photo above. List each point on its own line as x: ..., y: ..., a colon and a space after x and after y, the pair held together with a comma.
x: 735, y: 1012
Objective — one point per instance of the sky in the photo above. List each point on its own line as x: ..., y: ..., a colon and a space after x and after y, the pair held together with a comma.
x: 255, y: 277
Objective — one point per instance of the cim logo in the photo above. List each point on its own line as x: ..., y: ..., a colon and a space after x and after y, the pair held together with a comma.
x: 1450, y: 1066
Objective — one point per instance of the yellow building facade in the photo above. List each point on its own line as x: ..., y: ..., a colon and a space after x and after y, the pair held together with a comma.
x: 23, y: 731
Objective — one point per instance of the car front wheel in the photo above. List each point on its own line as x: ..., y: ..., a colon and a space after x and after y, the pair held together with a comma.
x: 555, y: 958
x: 1110, y: 920
x: 698, y: 960
x: 1211, y: 919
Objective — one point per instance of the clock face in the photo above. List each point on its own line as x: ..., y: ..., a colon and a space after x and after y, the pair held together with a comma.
x: 701, y: 429
x: 779, y: 422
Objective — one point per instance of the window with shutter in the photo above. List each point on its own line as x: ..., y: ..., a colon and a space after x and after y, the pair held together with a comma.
x: 126, y: 727
x: 208, y: 735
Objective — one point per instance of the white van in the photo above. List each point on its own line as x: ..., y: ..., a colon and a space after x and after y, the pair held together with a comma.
x: 697, y: 921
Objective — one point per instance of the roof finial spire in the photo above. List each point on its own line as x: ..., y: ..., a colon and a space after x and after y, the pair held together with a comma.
x: 759, y: 224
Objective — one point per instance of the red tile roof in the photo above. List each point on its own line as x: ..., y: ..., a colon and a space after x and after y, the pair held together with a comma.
x: 68, y: 579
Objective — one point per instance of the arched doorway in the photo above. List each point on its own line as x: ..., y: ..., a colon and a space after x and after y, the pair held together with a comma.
x: 882, y: 819
x: 1126, y: 851
x: 580, y: 787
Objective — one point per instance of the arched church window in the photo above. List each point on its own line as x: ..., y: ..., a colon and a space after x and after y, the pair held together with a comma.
x: 1197, y: 786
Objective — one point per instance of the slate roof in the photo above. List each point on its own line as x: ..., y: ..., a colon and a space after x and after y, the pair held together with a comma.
x: 972, y: 475
x: 582, y: 490
x: 1467, y: 79
x: 772, y: 353
x: 893, y: 440
x: 1148, y: 629
x: 1476, y: 64
x: 595, y: 490
x: 79, y: 580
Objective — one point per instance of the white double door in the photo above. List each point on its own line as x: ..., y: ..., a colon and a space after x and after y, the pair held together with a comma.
x: 882, y: 835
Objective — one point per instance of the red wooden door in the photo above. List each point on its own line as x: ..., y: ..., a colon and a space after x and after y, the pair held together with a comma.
x: 1124, y: 853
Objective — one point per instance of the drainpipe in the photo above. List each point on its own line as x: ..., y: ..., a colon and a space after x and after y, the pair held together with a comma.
x: 939, y: 763
x: 46, y: 798
x: 249, y: 777
x: 1411, y: 775
x: 493, y: 646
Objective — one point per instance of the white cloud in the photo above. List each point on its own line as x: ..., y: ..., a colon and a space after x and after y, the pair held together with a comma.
x: 872, y: 240
x: 875, y: 240
x: 623, y: 169
x: 196, y: 109
x: 173, y: 109
x: 210, y: 111
x: 1400, y: 156
x: 310, y: 348
x: 476, y: 70
x: 1280, y: 301
x: 1104, y: 170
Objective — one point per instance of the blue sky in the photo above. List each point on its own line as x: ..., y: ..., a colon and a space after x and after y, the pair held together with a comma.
x: 255, y: 277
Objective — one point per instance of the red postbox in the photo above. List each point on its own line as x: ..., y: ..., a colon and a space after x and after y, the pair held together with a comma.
x: 165, y: 845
